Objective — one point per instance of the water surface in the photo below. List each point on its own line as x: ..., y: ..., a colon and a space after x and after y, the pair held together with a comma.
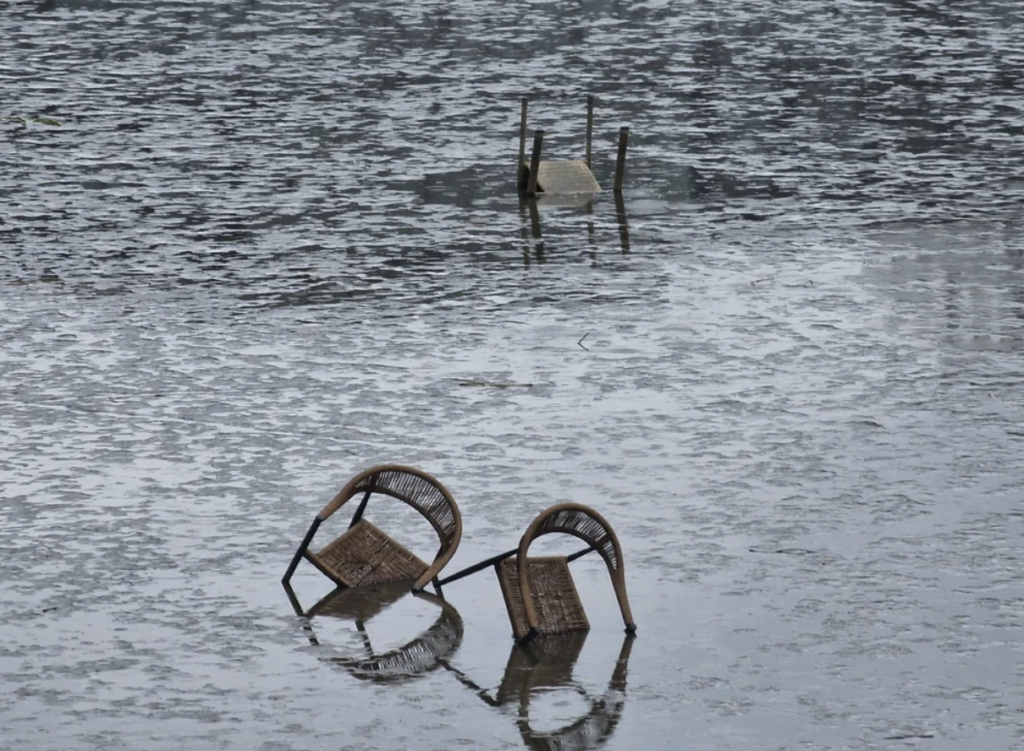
x: 270, y: 242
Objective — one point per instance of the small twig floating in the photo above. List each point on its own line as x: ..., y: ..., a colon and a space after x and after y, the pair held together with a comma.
x: 497, y: 385
x: 580, y: 342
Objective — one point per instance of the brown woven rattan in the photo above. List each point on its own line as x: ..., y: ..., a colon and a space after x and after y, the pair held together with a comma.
x: 555, y: 599
x: 588, y: 525
x: 415, y: 487
x: 364, y: 554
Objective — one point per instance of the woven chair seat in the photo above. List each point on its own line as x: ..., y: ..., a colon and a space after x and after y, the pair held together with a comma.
x: 553, y: 592
x: 364, y: 555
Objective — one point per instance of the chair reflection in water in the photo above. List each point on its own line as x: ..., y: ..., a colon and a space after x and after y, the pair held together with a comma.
x: 547, y: 665
x: 533, y: 235
x: 428, y: 651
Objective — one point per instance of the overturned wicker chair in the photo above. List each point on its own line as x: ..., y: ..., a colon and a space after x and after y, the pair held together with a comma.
x: 539, y: 592
x: 363, y: 554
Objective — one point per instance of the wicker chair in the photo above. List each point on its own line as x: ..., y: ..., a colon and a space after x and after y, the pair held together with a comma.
x: 431, y: 649
x: 539, y: 592
x: 547, y: 665
x: 363, y: 554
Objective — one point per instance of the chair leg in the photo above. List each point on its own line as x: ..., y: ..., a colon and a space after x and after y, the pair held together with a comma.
x: 302, y: 549
x: 619, y: 585
x: 359, y: 511
x: 529, y: 636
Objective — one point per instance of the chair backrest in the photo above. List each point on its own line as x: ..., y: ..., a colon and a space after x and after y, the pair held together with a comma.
x: 417, y: 488
x: 588, y: 525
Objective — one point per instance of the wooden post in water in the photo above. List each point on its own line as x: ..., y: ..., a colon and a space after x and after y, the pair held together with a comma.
x: 590, y: 125
x: 522, y: 140
x: 538, y: 142
x: 620, y: 161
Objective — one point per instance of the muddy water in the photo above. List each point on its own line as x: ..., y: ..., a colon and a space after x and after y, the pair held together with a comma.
x: 270, y: 244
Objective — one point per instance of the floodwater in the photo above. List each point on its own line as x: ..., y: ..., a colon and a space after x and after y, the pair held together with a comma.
x: 273, y: 243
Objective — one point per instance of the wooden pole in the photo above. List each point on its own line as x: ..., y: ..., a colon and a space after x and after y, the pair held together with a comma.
x: 538, y: 142
x: 590, y: 125
x: 620, y: 161
x: 522, y: 140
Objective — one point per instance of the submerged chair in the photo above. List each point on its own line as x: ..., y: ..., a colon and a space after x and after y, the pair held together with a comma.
x: 545, y: 666
x: 363, y: 554
x: 430, y: 650
x: 539, y: 592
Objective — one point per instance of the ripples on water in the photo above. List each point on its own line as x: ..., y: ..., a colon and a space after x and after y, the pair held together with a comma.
x: 270, y: 239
